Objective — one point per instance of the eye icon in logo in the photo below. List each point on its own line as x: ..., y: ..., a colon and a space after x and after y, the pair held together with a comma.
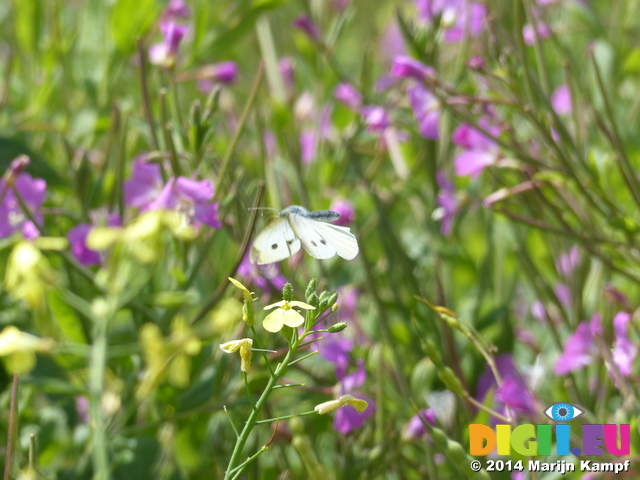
x: 563, y: 412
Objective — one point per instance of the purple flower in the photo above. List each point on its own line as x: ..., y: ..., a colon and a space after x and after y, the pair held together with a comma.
x: 580, y: 348
x: 480, y: 152
x: 426, y: 110
x: 513, y: 391
x: 614, y: 295
x: 176, y: 9
x: 211, y: 75
x: 144, y: 185
x: 32, y: 191
x: 624, y: 351
x: 338, y: 353
x: 473, y: 162
x: 270, y: 143
x: 538, y: 311
x: 561, y: 100
x: 304, y: 23
x: 223, y: 72
x: 77, y: 237
x: 392, y: 42
x: 563, y: 292
x: 458, y: 17
x: 416, y: 427
x: 406, y: 67
x: 515, y: 394
x: 568, y: 261
x: 189, y: 196
x: 308, y: 145
x: 164, y: 53
x: 346, y: 211
x: 529, y: 36
x: 467, y: 137
x: 375, y: 117
x: 448, y: 203
x: 285, y: 65
x: 347, y: 418
x: 476, y: 63
x: 144, y: 190
x: 82, y: 408
x: 347, y: 94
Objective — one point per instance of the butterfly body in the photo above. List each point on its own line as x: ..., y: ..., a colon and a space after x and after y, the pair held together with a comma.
x: 298, y: 227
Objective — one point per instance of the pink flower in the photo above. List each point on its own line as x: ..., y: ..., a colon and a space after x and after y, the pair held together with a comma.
x: 345, y: 209
x: 375, y: 117
x: 32, y: 192
x: 406, y: 67
x: 77, y: 237
x: 457, y: 17
x: 529, y: 36
x: 580, y: 348
x: 304, y: 23
x: 416, y: 427
x: 624, y: 351
x: 347, y: 94
x: 164, y: 53
x: 480, y: 151
x: 176, y: 9
x: 426, y: 110
x: 561, y: 100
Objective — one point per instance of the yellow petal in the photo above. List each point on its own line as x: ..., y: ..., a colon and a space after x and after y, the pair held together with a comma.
x: 298, y: 304
x: 245, y: 359
x: 291, y: 318
x: 274, y: 305
x: 235, y: 345
x: 328, y: 406
x: 274, y: 321
x: 357, y: 403
x: 245, y: 290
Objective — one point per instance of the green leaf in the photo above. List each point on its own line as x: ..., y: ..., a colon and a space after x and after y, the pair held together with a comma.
x: 244, y: 23
x: 66, y: 319
x: 632, y: 62
x: 131, y: 19
x: 28, y: 24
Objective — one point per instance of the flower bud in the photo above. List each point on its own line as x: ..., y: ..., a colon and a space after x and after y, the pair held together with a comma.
x: 451, y: 381
x: 311, y: 289
x: 431, y: 350
x: 287, y: 292
x: 338, y: 327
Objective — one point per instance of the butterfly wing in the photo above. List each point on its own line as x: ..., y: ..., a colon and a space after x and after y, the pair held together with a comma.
x: 274, y: 243
x: 340, y: 238
x: 312, y: 240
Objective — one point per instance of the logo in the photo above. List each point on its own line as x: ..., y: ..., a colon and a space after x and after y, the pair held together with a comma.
x: 532, y: 440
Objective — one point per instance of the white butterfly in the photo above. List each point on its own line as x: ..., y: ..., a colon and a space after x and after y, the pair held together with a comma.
x: 297, y: 226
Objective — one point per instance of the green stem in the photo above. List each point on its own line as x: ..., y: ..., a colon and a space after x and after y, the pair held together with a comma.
x: 243, y: 120
x: 253, y: 417
x: 96, y: 388
x: 144, y: 89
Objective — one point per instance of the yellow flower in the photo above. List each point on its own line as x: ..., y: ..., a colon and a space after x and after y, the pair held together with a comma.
x: 20, y: 348
x: 244, y: 346
x: 284, y: 315
x: 29, y: 274
x: 357, y: 403
x: 247, y: 308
